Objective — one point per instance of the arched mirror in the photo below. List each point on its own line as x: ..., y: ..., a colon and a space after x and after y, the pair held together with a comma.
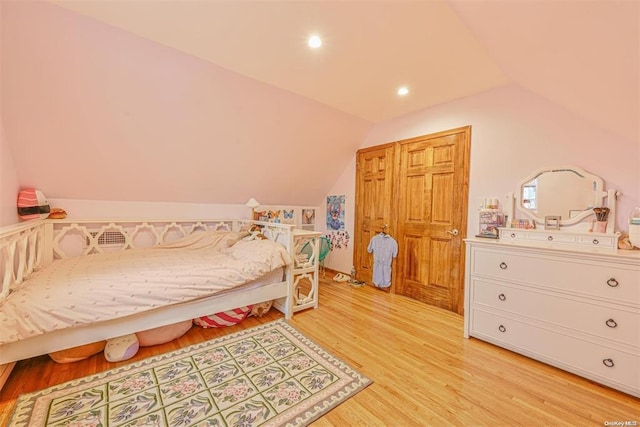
x: 565, y: 191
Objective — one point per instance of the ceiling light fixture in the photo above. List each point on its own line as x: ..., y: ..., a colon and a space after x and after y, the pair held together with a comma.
x: 314, y: 42
x: 402, y: 91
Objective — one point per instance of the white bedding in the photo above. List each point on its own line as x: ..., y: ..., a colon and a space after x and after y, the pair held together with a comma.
x: 93, y: 288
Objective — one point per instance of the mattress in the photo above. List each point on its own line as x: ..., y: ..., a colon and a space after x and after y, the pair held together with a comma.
x: 83, y: 290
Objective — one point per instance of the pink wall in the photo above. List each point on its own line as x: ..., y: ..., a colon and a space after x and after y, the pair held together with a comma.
x: 92, y: 112
x: 9, y: 186
x: 342, y: 259
x: 582, y: 55
x: 513, y: 133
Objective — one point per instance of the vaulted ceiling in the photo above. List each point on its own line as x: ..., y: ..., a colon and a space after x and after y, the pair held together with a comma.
x: 135, y: 88
x: 580, y: 54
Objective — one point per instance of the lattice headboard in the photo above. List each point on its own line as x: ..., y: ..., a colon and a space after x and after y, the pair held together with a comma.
x: 27, y: 247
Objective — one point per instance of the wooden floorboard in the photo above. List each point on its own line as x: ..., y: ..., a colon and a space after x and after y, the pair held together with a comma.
x: 424, y: 372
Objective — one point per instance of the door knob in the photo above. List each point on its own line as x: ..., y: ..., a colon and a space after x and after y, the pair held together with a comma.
x: 453, y: 232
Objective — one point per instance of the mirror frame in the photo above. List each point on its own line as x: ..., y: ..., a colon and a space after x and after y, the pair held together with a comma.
x: 598, y: 193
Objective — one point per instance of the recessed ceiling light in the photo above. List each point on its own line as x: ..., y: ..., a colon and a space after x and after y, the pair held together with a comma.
x: 314, y: 42
x: 402, y: 91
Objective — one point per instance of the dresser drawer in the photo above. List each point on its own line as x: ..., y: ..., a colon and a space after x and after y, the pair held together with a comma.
x: 602, y: 363
x: 619, y: 283
x: 553, y: 237
x: 597, y: 241
x: 612, y: 323
x: 556, y: 238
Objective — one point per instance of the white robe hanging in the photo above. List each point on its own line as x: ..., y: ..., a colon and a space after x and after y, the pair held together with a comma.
x: 384, y: 249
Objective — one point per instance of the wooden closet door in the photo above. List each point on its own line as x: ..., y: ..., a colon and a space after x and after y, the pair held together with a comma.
x: 373, y: 204
x: 433, y: 189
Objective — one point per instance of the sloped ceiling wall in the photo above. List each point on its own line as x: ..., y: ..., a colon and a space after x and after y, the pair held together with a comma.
x: 121, y: 104
x: 581, y: 55
x: 92, y: 112
x: 369, y: 47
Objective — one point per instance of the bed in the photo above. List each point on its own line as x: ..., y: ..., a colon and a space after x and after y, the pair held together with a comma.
x: 168, y: 266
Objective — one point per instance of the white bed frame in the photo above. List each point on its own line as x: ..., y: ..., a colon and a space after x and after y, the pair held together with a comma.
x: 30, y: 246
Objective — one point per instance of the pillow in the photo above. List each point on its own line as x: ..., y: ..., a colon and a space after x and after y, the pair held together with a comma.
x: 121, y: 348
x: 224, y: 318
x: 78, y: 353
x: 211, y: 239
x: 163, y: 334
x: 32, y: 204
x: 264, y: 251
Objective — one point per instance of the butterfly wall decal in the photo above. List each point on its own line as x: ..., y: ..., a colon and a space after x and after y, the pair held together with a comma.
x: 274, y: 216
x: 288, y: 216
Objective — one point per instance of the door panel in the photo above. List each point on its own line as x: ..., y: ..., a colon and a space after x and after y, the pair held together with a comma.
x: 432, y: 187
x: 374, y: 184
x: 419, y: 188
x: 441, y: 200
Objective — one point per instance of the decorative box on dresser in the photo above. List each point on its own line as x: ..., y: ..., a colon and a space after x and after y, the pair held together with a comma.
x: 573, y: 306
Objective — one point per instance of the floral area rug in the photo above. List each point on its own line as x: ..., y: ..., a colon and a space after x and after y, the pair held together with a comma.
x: 270, y: 375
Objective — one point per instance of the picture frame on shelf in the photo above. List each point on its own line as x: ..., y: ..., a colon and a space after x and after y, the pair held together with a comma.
x: 308, y: 219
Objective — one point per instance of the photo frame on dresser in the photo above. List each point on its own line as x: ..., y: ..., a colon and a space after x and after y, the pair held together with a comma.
x: 552, y: 222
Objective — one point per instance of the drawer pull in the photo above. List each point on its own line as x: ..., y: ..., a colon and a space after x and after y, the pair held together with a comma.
x: 611, y: 323
x: 502, y: 297
x: 550, y: 238
x: 608, y: 363
x: 501, y: 328
x: 612, y: 282
x: 503, y: 265
x: 595, y: 241
x: 513, y: 235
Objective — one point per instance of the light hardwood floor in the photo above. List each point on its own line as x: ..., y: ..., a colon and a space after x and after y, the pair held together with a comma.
x: 424, y: 372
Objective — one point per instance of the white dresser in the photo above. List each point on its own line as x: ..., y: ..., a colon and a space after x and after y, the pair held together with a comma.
x: 572, y: 308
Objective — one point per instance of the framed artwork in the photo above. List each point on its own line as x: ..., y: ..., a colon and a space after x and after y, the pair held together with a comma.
x: 308, y: 216
x: 335, y: 213
x: 288, y: 216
